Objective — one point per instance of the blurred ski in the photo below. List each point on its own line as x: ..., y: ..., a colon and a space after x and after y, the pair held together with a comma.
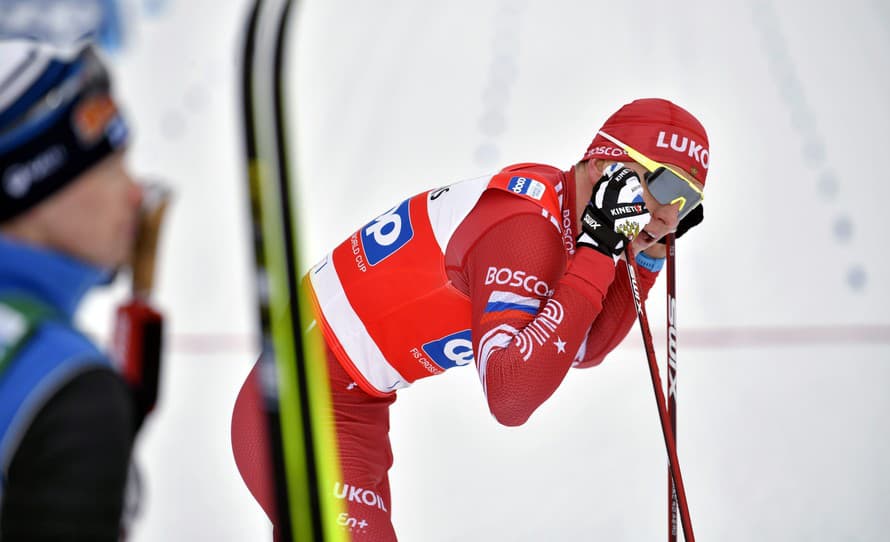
x: 294, y: 375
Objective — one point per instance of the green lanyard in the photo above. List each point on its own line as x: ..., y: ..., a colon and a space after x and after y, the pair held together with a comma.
x: 20, y: 317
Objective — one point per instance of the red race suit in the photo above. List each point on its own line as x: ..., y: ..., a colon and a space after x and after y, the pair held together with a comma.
x: 480, y: 273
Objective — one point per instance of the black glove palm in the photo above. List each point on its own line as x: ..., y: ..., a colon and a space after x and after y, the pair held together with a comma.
x: 615, y: 212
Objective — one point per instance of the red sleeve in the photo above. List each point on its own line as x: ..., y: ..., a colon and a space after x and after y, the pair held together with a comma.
x: 530, y: 315
x: 617, y: 316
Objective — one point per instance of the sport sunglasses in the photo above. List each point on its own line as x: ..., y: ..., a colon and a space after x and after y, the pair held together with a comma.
x: 666, y: 184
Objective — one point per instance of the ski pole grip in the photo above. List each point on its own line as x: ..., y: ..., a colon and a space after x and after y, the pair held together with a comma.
x: 155, y: 199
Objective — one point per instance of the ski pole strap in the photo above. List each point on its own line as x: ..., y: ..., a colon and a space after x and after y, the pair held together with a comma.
x: 648, y: 262
x: 20, y: 317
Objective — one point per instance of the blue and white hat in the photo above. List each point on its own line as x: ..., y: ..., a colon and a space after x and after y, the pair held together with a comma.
x: 57, y: 120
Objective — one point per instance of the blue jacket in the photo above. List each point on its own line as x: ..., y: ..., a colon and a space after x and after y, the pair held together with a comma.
x: 56, y: 352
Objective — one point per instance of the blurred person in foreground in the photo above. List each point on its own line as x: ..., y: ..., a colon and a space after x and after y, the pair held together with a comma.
x: 520, y: 274
x: 68, y: 219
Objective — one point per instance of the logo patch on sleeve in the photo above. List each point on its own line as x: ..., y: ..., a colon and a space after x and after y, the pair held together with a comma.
x: 527, y: 186
x: 454, y: 350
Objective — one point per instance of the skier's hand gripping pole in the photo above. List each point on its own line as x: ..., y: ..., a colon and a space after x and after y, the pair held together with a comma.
x: 615, y: 212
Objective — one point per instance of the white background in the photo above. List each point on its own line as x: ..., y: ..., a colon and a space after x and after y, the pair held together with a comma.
x: 784, y: 334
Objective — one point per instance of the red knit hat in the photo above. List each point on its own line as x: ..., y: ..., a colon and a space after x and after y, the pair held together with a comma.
x: 659, y: 129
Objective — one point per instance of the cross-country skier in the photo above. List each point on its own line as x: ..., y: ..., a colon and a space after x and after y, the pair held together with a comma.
x: 519, y: 274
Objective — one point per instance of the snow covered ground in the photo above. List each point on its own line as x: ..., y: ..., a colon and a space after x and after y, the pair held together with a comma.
x: 785, y: 337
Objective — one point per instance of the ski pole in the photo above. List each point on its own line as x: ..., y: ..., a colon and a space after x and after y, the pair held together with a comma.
x: 659, y: 397
x: 671, y: 246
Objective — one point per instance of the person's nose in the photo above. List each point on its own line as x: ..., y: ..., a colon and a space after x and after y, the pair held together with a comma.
x: 667, y: 215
